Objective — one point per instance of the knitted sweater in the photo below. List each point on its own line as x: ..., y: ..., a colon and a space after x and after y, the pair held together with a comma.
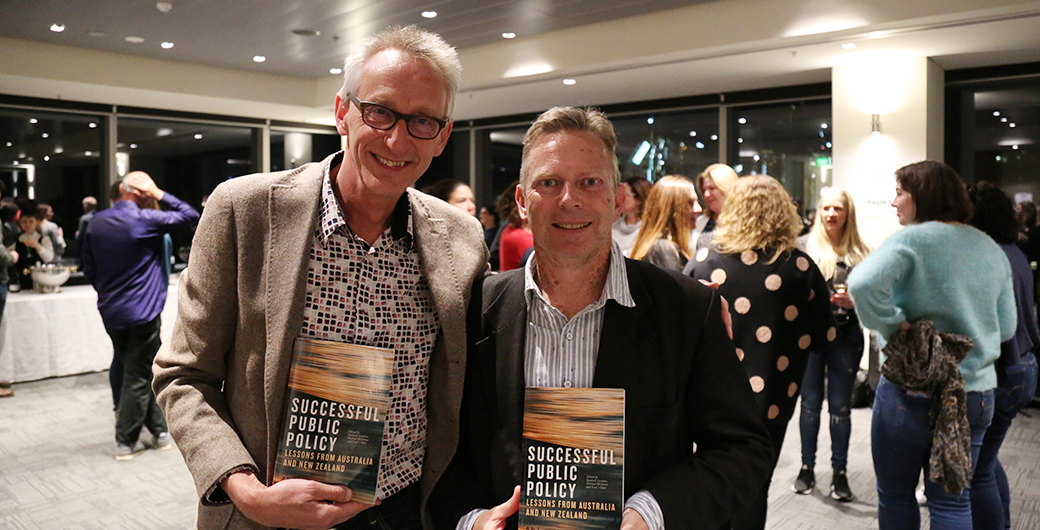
x: 949, y: 273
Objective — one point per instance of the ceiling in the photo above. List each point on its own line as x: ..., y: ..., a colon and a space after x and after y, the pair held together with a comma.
x: 229, y: 33
x: 616, y: 51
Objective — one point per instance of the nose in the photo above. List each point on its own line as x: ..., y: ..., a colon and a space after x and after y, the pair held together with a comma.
x: 397, y: 136
x: 569, y: 197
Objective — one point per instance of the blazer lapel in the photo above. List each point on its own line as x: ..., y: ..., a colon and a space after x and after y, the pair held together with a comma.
x: 505, y: 318
x: 294, y: 207
x: 624, y: 331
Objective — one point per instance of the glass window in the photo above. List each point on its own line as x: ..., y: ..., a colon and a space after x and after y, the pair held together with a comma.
x: 992, y: 134
x: 52, y: 158
x: 790, y: 142
x: 185, y: 158
x: 292, y: 149
x: 656, y: 144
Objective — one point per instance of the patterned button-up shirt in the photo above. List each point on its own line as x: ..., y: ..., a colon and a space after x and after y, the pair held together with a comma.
x: 376, y: 295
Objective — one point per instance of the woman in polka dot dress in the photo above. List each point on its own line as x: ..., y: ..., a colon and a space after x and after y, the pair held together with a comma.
x: 778, y: 299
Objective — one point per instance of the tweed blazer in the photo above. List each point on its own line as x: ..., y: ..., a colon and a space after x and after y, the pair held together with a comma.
x: 221, y: 378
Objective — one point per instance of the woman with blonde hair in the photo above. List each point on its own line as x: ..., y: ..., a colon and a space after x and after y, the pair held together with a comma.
x: 834, y: 244
x: 664, y: 233
x: 713, y: 184
x: 777, y: 299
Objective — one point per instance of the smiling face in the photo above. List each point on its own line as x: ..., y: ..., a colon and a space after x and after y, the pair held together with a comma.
x: 382, y: 164
x: 569, y: 201
x: 906, y: 211
x: 834, y: 214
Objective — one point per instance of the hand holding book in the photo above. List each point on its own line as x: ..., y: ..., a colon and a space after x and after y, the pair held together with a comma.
x: 292, y: 503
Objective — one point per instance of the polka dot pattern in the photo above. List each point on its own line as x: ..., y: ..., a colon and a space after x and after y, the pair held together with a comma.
x: 764, y: 334
x: 773, y: 282
x: 702, y: 254
x: 742, y: 305
x: 757, y: 384
x: 718, y: 276
x: 777, y: 320
x: 790, y: 313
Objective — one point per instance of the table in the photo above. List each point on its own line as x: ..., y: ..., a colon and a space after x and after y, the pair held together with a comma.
x: 51, y: 335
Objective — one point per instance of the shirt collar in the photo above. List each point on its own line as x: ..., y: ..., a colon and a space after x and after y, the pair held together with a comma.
x: 616, y: 287
x: 332, y: 218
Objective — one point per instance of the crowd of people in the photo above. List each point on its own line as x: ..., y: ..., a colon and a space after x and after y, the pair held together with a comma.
x: 705, y: 299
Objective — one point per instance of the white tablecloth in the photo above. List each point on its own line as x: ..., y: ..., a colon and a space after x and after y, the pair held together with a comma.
x: 50, y: 335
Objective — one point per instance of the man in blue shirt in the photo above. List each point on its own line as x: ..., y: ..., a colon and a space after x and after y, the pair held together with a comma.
x: 122, y: 258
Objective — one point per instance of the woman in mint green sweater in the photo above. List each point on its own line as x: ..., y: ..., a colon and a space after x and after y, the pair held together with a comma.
x: 940, y: 269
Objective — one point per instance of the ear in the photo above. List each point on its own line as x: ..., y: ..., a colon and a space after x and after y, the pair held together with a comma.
x: 442, y: 138
x: 521, y: 203
x: 342, y: 106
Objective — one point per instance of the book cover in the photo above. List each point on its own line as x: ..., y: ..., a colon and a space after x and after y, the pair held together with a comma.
x: 573, y: 458
x: 335, y: 411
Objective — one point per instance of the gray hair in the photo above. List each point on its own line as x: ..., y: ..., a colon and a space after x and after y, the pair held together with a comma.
x: 559, y: 119
x: 414, y: 41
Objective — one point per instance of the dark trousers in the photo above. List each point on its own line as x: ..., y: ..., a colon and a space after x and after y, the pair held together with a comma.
x: 135, y: 347
x: 398, y: 512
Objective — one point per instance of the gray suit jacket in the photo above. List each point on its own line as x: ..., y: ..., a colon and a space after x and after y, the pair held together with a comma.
x: 221, y: 378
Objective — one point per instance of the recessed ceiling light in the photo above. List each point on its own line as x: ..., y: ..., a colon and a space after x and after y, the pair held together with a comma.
x: 166, y: 45
x: 33, y: 120
x: 742, y: 121
x: 92, y: 125
x: 570, y: 81
x: 650, y: 120
x: 740, y: 140
x: 700, y: 145
x: 134, y: 40
x: 164, y: 131
x: 16, y: 162
x: 89, y: 153
x: 849, y: 45
x: 45, y: 135
x: 714, y: 137
x: 1015, y: 147
x: 509, y: 35
x: 198, y: 136
x: 335, y: 71
x: 164, y: 7
x: 996, y: 113
x: 259, y: 58
x: 693, y: 133
x: 823, y: 125
x: 1011, y: 125
x: 57, y: 28
x: 47, y: 158
x: 9, y: 144
x: 1002, y: 120
x: 59, y: 150
x: 133, y: 146
x: 429, y: 14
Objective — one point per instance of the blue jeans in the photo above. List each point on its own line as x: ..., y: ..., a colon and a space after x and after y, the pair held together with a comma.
x: 839, y: 362
x: 990, y: 499
x: 900, y: 444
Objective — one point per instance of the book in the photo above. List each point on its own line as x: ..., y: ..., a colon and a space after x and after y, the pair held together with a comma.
x: 573, y: 459
x: 335, y: 412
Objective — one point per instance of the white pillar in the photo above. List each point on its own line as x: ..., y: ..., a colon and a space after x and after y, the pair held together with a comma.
x: 907, y: 95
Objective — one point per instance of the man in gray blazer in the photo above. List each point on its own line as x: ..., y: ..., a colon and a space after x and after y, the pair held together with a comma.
x: 340, y: 250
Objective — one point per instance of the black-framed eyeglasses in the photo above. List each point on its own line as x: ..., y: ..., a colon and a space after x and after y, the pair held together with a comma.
x: 379, y: 117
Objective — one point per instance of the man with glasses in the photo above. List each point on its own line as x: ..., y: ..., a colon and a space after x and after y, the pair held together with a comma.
x: 341, y: 250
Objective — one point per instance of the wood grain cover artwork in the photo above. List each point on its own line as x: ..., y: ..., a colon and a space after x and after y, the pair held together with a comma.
x: 335, y: 412
x: 574, y: 450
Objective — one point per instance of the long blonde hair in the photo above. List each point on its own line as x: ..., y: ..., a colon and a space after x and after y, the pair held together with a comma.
x: 851, y: 249
x: 666, y: 215
x: 758, y: 214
